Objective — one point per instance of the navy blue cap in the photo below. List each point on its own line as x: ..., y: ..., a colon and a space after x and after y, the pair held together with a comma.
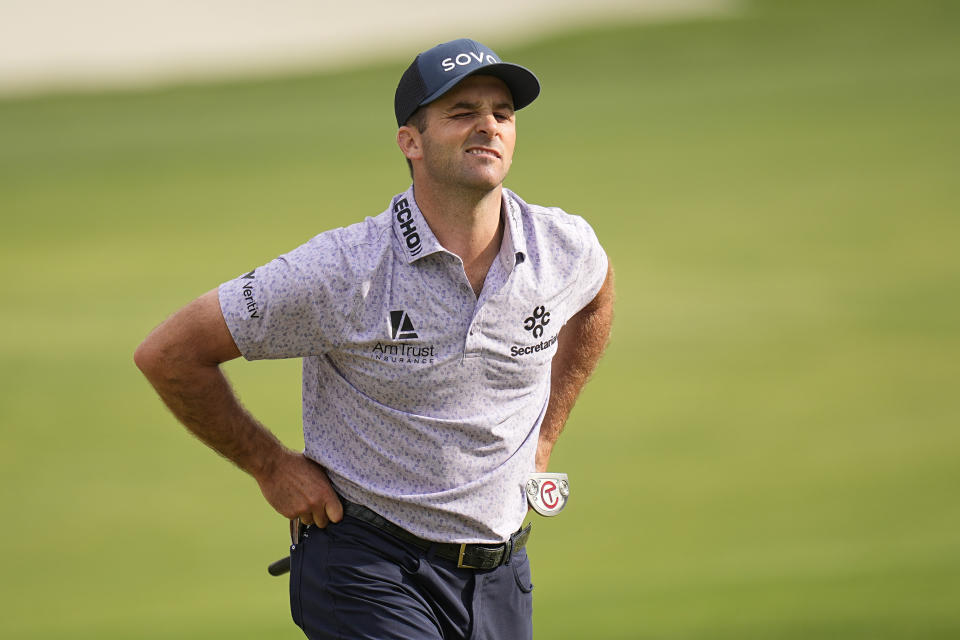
x: 437, y: 70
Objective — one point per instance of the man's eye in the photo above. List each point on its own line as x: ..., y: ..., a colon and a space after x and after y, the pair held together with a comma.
x: 465, y: 114
x: 502, y: 117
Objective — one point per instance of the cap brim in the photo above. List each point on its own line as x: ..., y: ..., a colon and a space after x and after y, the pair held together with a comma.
x: 523, y: 85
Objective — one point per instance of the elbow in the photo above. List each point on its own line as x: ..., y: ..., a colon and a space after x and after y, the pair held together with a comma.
x: 148, y: 357
x: 167, y: 363
x: 158, y: 359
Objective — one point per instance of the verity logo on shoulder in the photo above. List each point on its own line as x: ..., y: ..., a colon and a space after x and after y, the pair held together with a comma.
x: 401, y: 327
x: 248, y: 299
x: 465, y: 59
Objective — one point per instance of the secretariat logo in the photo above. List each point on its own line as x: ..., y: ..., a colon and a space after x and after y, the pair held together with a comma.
x: 400, y: 327
x: 534, y: 323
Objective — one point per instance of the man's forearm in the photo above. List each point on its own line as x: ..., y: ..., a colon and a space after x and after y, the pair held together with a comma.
x: 579, y: 347
x: 202, y: 399
x: 181, y: 358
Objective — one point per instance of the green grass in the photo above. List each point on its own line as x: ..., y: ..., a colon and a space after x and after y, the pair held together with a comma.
x: 769, y: 449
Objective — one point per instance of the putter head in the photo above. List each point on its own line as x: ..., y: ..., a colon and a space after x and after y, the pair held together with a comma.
x: 547, y: 493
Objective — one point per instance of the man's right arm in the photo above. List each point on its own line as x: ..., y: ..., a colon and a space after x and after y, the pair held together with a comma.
x: 181, y: 358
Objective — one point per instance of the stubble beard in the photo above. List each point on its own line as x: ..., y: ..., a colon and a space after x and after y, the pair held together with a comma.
x: 455, y: 173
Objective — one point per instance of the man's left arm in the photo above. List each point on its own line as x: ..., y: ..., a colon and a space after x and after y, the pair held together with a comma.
x: 579, y: 346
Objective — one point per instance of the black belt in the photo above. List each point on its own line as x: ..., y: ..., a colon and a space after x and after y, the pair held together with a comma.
x: 467, y: 556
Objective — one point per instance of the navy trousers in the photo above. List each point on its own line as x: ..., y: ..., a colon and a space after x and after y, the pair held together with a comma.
x: 352, y: 581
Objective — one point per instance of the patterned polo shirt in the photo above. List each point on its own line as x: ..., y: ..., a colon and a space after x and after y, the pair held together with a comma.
x: 421, y: 400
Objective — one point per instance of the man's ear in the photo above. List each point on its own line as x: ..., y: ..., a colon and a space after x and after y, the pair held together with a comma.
x: 410, y: 142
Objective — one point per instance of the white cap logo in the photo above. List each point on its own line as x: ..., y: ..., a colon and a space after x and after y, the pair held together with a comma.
x: 466, y: 59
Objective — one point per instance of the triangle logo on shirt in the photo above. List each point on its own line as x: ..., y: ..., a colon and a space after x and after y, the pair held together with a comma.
x: 401, y: 327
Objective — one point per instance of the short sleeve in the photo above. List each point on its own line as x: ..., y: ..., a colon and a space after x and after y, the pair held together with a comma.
x: 293, y: 306
x: 593, y: 267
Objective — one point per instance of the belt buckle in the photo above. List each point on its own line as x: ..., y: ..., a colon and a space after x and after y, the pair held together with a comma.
x: 460, y: 565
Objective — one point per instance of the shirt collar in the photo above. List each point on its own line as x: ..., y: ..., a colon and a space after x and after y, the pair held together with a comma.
x: 415, y: 239
x: 413, y: 235
x: 513, y: 248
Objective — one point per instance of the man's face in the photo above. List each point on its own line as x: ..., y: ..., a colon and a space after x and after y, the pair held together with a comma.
x: 470, y: 134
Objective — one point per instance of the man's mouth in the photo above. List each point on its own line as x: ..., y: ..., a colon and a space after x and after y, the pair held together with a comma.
x: 484, y: 151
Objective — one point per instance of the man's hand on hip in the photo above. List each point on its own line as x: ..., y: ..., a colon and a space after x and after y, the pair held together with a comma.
x: 298, y: 487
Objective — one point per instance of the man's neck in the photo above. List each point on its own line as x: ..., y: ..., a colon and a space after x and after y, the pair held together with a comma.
x: 468, y: 225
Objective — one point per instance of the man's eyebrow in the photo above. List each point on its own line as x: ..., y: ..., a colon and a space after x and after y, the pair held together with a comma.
x: 469, y: 106
x: 473, y: 106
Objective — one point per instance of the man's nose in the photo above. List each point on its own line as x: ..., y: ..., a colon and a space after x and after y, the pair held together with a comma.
x: 487, y: 123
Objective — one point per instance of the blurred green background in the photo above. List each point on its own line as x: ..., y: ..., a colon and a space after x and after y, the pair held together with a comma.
x: 770, y: 448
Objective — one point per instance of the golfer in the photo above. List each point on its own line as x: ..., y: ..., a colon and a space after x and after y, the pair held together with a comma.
x: 444, y: 343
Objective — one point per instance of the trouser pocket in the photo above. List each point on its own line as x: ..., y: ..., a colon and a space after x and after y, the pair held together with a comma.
x: 521, y: 571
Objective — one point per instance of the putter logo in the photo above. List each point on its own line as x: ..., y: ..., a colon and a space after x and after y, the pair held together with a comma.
x: 550, y: 494
x: 401, y: 328
x: 465, y: 59
x: 536, y: 322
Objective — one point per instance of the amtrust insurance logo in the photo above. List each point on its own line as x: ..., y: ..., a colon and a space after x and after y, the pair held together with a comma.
x: 401, y: 329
